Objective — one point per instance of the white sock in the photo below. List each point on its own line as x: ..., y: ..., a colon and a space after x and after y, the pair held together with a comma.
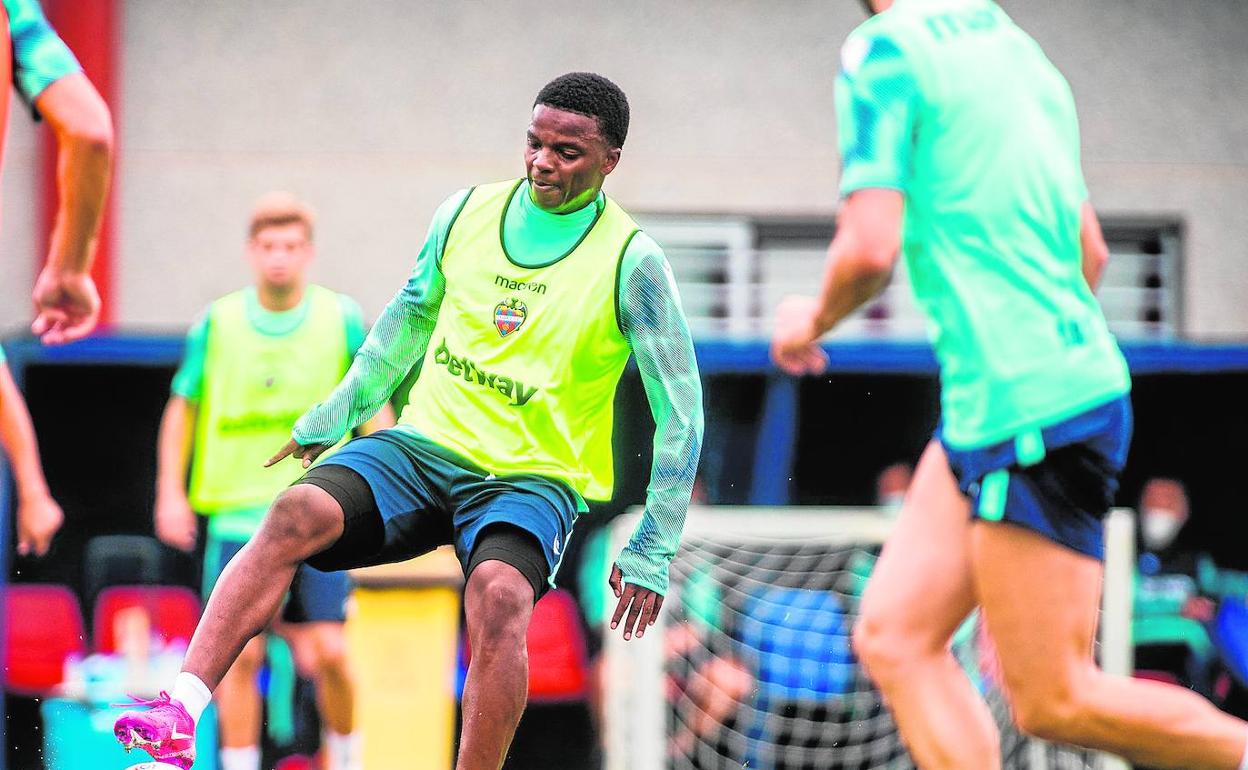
x: 246, y: 758
x: 192, y: 693
x: 343, y: 752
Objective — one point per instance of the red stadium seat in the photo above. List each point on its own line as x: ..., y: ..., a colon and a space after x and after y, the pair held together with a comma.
x: 558, y: 667
x: 42, y: 627
x: 172, y: 610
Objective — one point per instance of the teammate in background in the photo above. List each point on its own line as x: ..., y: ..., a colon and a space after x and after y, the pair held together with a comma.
x: 254, y: 362
x: 52, y: 84
x: 529, y: 296
x: 38, y: 515
x: 950, y: 112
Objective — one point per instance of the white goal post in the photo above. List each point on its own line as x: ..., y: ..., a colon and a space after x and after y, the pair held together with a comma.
x: 638, y: 693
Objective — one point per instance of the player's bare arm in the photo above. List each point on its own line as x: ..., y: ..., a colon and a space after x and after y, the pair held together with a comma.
x: 1095, y: 251
x: 65, y: 296
x: 38, y: 515
x: 175, y: 521
x: 859, y: 264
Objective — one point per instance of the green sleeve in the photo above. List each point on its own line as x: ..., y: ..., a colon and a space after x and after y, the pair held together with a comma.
x: 876, y: 107
x: 654, y: 324
x: 188, y: 381
x: 40, y: 57
x: 353, y: 319
x: 394, y: 345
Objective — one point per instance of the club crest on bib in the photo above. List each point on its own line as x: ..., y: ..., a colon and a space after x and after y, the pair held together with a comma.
x: 509, y: 315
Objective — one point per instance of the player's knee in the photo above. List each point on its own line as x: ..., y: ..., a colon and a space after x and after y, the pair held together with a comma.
x: 879, y: 646
x: 303, y: 516
x: 331, y: 655
x: 1051, y: 711
x: 501, y: 601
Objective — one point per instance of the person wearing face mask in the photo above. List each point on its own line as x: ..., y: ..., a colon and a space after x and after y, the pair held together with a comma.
x: 891, y: 486
x: 1168, y: 627
x: 1163, y: 511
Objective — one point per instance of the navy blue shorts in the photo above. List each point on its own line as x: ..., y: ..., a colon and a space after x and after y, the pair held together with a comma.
x: 1058, y: 481
x: 427, y: 496
x: 314, y: 596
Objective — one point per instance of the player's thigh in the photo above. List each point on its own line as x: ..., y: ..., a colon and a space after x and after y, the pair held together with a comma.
x: 524, y: 522
x: 1040, y: 602
x: 921, y: 587
x: 391, y: 509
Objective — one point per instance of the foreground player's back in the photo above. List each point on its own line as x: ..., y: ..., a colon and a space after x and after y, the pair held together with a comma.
x: 950, y: 102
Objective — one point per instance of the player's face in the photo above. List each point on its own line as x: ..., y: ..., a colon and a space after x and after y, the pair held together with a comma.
x: 566, y: 158
x: 280, y: 255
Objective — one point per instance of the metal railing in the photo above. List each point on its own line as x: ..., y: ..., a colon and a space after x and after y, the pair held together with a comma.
x: 730, y: 290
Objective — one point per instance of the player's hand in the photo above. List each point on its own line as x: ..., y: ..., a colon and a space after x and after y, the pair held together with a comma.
x: 175, y: 521
x: 794, y: 344
x: 645, y: 605
x: 294, y: 449
x: 67, y: 306
x: 38, y: 519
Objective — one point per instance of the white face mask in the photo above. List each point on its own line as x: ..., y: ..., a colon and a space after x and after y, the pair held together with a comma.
x: 1159, y: 528
x: 891, y: 503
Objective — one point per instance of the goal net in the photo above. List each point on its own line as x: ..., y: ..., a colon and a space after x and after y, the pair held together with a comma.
x: 750, y: 665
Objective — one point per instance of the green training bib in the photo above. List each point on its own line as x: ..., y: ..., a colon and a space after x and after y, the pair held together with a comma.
x: 522, y: 368
x: 255, y: 386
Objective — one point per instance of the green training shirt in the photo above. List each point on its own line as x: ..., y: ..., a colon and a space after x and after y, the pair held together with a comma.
x: 654, y: 327
x: 949, y: 102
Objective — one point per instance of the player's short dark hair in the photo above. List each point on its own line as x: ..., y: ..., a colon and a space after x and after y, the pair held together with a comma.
x: 593, y: 95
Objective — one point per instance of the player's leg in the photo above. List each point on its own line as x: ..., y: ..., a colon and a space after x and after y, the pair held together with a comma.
x: 238, y: 696
x: 314, y: 625
x: 239, y: 709
x: 364, y: 506
x: 498, y: 603
x: 1040, y: 601
x: 513, y: 534
x: 302, y: 522
x: 918, y: 595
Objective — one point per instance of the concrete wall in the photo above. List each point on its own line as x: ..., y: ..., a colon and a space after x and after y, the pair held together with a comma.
x: 19, y: 240
x: 1162, y: 89
x: 376, y: 110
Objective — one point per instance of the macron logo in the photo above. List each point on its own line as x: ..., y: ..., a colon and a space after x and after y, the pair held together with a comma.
x: 506, y: 283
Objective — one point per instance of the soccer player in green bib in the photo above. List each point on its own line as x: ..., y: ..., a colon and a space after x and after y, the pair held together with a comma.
x: 523, y: 307
x: 960, y: 149
x: 254, y: 362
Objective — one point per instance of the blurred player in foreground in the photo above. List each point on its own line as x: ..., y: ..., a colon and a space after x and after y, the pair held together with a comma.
x: 528, y: 297
x: 255, y: 361
x: 52, y: 84
x: 950, y: 112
